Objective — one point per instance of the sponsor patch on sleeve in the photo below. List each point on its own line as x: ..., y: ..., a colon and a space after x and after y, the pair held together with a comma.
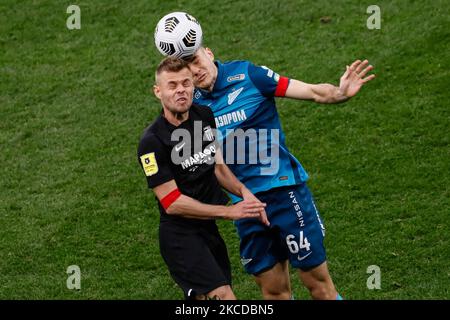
x: 236, y: 77
x: 149, y: 164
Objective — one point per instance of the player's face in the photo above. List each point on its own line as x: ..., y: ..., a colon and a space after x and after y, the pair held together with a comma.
x: 203, y: 69
x: 175, y: 90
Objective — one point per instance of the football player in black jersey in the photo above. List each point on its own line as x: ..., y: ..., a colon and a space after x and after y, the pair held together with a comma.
x: 183, y: 165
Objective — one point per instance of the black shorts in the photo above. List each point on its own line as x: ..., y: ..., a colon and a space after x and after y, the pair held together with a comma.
x: 196, y: 256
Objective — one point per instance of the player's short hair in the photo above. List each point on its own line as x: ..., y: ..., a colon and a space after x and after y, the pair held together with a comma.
x: 190, y: 58
x: 170, y: 64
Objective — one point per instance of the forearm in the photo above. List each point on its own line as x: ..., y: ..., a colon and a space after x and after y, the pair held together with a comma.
x: 328, y: 93
x: 190, y: 208
x: 228, y: 180
x: 320, y: 93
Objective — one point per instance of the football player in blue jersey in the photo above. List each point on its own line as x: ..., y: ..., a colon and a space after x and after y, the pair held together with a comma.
x: 241, y: 96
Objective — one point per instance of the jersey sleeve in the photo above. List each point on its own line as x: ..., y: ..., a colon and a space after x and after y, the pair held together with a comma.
x: 155, y: 161
x: 268, y: 82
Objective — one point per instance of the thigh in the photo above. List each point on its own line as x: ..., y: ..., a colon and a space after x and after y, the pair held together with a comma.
x: 260, y: 246
x: 301, y: 228
x: 191, y: 262
x: 218, y: 249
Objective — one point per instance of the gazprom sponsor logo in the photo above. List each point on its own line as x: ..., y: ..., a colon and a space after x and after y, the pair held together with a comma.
x: 231, y: 117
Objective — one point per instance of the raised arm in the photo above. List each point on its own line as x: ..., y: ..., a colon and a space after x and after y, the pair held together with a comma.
x: 350, y: 83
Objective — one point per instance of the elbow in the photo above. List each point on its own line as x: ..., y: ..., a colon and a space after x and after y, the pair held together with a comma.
x: 219, y: 172
x: 218, y: 168
x: 171, y: 210
x: 171, y: 202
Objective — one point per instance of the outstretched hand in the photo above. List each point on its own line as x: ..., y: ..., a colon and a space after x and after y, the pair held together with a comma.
x: 353, y: 78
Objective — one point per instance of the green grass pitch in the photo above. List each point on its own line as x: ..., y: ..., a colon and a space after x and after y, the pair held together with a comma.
x: 73, y: 104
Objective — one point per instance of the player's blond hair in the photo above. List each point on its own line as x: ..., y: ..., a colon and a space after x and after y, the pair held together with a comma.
x: 170, y: 64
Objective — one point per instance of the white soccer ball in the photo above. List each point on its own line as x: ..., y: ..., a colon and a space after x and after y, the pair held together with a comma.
x: 178, y: 34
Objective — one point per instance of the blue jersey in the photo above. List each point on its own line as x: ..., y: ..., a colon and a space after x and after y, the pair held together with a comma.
x: 243, y: 98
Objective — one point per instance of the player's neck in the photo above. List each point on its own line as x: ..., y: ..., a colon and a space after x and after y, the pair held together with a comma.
x: 211, y: 87
x: 213, y: 80
x: 176, y: 118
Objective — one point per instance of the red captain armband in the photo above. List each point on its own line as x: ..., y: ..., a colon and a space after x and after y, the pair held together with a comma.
x: 170, y: 198
x: 282, y: 86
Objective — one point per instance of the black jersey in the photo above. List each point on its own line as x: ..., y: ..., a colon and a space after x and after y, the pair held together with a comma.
x: 184, y: 153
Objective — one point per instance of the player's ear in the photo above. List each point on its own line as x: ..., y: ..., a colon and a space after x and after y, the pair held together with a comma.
x: 209, y: 53
x: 157, y: 91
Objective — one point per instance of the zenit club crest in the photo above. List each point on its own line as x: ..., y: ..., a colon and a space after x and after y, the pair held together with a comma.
x: 208, y: 134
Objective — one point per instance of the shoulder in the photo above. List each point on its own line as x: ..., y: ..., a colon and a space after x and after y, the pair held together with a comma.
x: 203, y: 111
x: 236, y: 65
x: 232, y: 72
x: 150, y: 137
x: 205, y: 114
x: 239, y: 70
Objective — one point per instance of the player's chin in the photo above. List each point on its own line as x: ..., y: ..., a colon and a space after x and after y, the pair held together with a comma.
x: 202, y: 84
x: 182, y: 105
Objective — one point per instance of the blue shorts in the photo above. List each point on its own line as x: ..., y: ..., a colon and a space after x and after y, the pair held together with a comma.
x: 296, y: 232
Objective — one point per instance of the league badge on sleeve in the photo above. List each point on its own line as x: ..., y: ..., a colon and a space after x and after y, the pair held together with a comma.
x: 149, y: 164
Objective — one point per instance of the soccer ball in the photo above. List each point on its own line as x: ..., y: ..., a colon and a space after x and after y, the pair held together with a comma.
x: 178, y: 34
